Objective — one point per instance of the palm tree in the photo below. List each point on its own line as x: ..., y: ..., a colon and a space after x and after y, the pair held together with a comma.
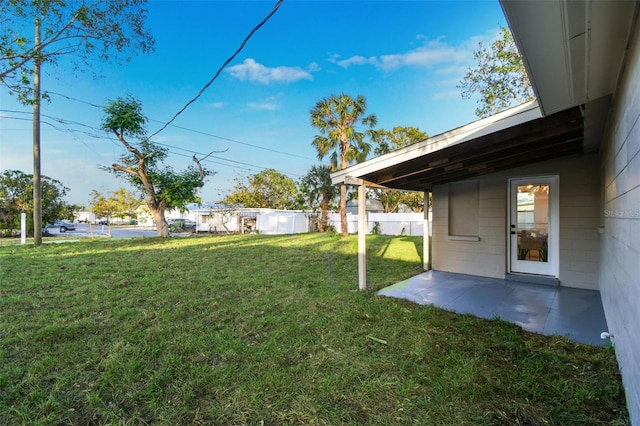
x: 335, y: 117
x: 317, y: 187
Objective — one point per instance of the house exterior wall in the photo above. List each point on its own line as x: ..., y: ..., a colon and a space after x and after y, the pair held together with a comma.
x: 620, y: 255
x: 579, y: 210
x: 213, y: 221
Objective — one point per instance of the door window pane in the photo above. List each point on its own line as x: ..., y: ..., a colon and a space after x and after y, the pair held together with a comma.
x: 533, y: 222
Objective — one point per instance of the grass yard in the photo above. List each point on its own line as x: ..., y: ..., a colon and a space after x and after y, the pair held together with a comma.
x: 269, y: 330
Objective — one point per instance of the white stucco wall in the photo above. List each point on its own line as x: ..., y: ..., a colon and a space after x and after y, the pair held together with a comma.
x: 620, y: 255
x: 579, y: 218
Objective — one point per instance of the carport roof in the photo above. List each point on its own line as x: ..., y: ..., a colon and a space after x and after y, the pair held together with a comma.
x: 516, y: 137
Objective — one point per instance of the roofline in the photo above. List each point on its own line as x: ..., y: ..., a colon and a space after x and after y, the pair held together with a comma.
x: 520, y: 114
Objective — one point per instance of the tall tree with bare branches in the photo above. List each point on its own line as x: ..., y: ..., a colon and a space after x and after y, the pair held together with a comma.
x: 143, y: 164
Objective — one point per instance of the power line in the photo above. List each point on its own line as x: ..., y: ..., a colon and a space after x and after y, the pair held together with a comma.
x: 231, y: 58
x: 172, y: 147
x: 275, y: 151
x: 239, y: 142
x: 217, y: 157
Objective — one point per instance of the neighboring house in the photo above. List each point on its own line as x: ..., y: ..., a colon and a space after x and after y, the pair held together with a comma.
x: 550, y: 189
x: 222, y: 218
x: 90, y: 217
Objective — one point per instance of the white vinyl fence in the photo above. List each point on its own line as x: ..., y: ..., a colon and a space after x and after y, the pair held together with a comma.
x: 282, y: 223
x: 295, y: 222
x: 387, y: 223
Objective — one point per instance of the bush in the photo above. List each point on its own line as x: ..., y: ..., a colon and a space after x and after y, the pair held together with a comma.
x: 377, y: 229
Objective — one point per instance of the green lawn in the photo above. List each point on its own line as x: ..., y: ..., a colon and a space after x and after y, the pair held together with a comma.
x: 269, y: 330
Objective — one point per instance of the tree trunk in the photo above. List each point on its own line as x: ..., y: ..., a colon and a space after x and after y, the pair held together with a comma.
x: 37, y: 179
x: 324, y: 207
x: 343, y: 210
x: 158, y: 218
x: 343, y: 187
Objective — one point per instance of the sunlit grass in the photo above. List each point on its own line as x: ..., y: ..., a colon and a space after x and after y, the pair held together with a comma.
x: 269, y: 329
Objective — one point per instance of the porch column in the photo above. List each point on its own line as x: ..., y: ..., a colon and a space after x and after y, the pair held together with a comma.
x: 425, y: 233
x: 362, y: 234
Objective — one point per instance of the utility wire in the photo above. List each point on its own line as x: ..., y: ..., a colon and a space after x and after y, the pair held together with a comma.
x: 235, y: 164
x: 239, y: 142
x: 231, y: 58
x: 218, y: 158
x: 197, y: 131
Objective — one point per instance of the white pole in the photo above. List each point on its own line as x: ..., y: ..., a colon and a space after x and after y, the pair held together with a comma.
x: 23, y: 228
x: 362, y: 234
x: 425, y: 233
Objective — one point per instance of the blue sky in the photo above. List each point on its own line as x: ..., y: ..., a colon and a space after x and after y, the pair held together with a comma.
x: 405, y: 57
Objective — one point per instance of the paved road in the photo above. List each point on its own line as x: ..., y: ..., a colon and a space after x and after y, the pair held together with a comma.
x: 85, y: 230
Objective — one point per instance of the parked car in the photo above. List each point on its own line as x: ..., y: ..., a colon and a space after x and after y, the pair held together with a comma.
x: 103, y: 222
x: 64, y: 225
x: 180, y: 223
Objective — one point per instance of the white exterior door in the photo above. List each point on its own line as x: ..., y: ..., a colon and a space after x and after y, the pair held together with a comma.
x: 533, y: 225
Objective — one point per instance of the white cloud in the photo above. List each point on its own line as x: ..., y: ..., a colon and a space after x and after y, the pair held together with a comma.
x: 443, y: 57
x: 256, y: 72
x: 357, y: 60
x: 267, y: 104
x: 431, y: 54
x: 334, y: 58
x: 445, y: 96
x: 263, y: 105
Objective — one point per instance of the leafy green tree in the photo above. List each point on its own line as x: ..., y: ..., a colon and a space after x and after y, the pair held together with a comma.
x: 13, y: 198
x: 336, y: 118
x: 414, y: 200
x: 318, y: 192
x: 398, y: 137
x: 101, y: 205
x: 143, y: 164
x: 16, y: 196
x: 500, y: 77
x: 78, y: 30
x: 71, y: 210
x: 119, y: 203
x: 267, y: 189
x: 389, y: 141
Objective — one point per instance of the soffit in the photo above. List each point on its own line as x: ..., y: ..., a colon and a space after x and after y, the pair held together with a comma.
x: 503, y: 120
x: 532, y: 141
x: 573, y: 50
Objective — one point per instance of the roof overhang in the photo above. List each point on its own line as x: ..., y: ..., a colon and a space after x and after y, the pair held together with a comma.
x: 574, y: 53
x: 573, y: 50
x: 509, y: 139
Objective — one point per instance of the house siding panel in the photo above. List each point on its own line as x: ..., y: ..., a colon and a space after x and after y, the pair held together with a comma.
x: 580, y: 216
x: 620, y: 255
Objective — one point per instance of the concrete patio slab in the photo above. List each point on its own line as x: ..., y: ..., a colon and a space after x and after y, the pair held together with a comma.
x: 574, y: 313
